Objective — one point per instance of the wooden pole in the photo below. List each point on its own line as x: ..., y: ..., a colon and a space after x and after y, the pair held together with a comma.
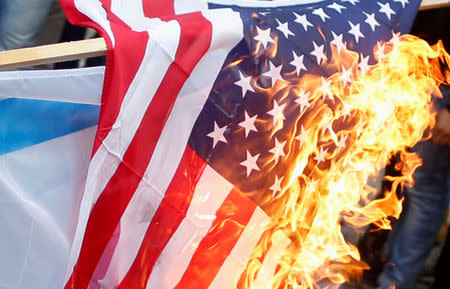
x: 433, y: 4
x: 95, y: 47
x: 52, y: 53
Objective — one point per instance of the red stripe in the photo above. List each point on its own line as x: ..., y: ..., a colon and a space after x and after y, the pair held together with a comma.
x: 109, y: 208
x: 256, y: 259
x: 121, y: 67
x: 166, y: 220
x: 105, y: 260
x: 291, y: 248
x: 231, y: 220
x: 159, y: 8
x: 74, y: 16
x: 107, y: 5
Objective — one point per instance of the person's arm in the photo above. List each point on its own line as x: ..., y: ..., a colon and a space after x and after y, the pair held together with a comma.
x: 21, y: 22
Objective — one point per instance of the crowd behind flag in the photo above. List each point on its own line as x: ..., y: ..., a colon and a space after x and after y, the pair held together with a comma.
x: 184, y: 129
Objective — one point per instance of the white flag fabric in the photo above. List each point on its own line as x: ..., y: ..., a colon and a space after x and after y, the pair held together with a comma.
x: 48, y: 121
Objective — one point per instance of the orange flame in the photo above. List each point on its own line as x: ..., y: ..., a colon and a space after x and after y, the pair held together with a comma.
x: 378, y: 113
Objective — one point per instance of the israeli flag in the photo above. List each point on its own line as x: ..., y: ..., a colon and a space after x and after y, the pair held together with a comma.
x: 47, y: 126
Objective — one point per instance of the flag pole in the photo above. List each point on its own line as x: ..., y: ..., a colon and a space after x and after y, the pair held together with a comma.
x: 52, y: 53
x: 433, y: 4
x: 95, y: 47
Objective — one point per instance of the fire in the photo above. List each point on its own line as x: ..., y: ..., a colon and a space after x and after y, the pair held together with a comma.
x: 357, y: 121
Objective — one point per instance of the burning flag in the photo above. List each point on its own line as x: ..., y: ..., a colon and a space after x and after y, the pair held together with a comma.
x: 233, y: 142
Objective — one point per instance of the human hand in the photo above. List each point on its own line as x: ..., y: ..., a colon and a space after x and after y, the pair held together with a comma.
x: 441, y: 132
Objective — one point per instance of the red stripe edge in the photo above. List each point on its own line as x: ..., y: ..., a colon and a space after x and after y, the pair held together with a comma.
x: 231, y: 220
x: 169, y: 215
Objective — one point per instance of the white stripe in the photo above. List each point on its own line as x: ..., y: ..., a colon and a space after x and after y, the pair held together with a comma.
x: 129, y: 11
x: 211, y: 191
x: 188, y: 6
x: 166, y: 158
x: 259, y: 3
x: 227, y: 32
x: 93, y: 9
x: 132, y: 13
x: 271, y: 260
x: 159, y: 54
x: 236, y: 262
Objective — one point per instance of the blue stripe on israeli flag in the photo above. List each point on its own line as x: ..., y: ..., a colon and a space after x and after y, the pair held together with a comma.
x: 27, y: 122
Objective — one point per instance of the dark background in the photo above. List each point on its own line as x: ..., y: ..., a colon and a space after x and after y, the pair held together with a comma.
x: 433, y: 25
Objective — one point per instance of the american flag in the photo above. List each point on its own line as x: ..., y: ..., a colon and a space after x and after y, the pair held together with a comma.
x: 186, y: 162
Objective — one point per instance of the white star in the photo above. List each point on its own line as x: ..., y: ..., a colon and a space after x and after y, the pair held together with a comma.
x: 359, y: 130
x: 217, y: 134
x: 380, y: 50
x: 341, y: 143
x: 298, y: 63
x: 351, y: 1
x: 276, y: 187
x: 319, y: 12
x: 278, y: 150
x: 395, y: 37
x: 303, y: 136
x: 364, y: 63
x: 325, y: 89
x: 303, y: 21
x: 336, y: 7
x: 345, y: 111
x: 303, y: 100
x: 277, y: 112
x: 274, y: 73
x: 320, y: 157
x: 312, y: 185
x: 318, y: 53
x: 386, y: 9
x: 327, y: 125
x: 403, y: 2
x: 371, y: 20
x: 355, y: 31
x: 244, y: 83
x: 264, y: 36
x: 250, y: 163
x: 249, y: 123
x: 283, y: 27
x: 337, y: 41
x: 346, y: 76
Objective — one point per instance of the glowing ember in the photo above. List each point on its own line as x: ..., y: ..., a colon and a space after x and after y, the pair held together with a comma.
x: 355, y: 123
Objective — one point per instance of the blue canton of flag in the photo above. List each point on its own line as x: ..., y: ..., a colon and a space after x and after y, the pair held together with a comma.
x: 239, y: 118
